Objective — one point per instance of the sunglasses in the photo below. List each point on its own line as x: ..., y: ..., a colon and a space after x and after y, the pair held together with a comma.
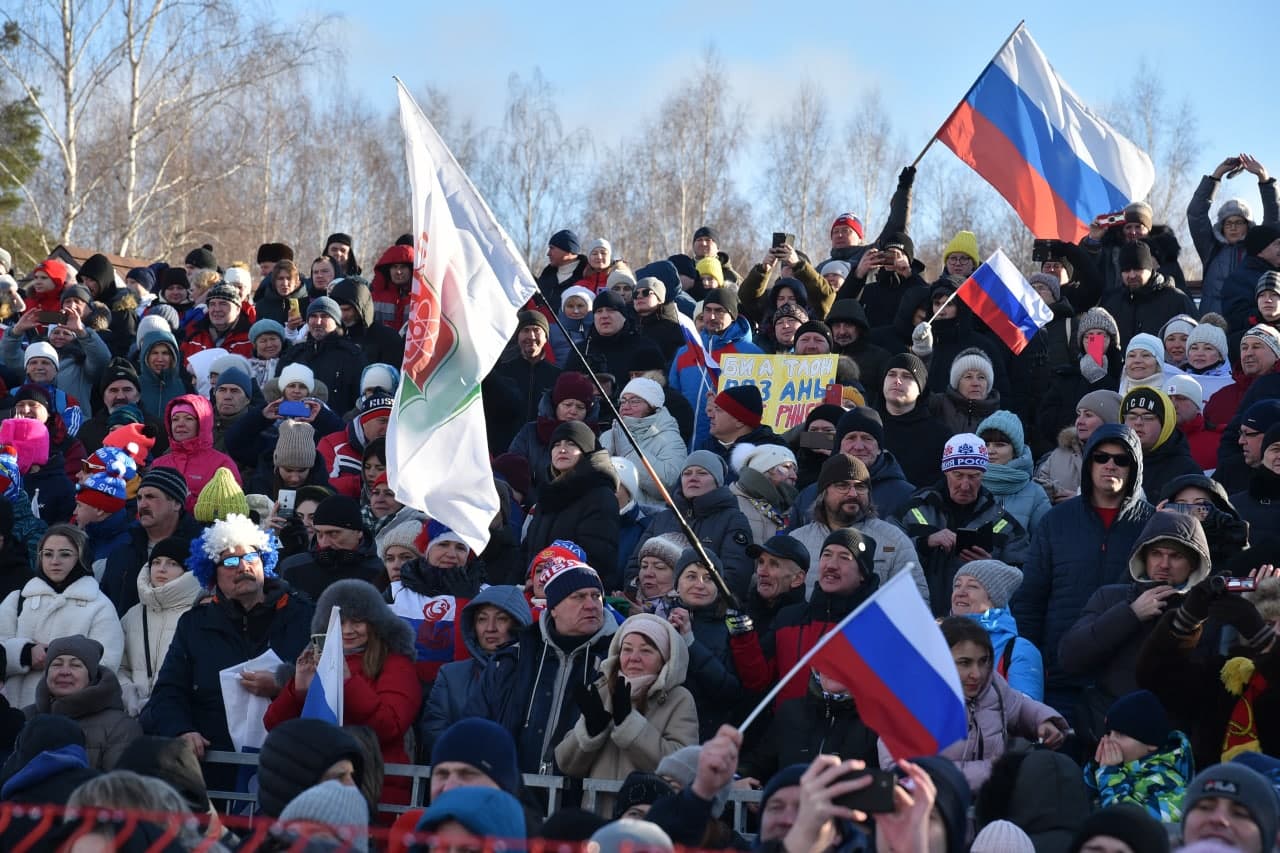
x: 235, y: 560
x: 643, y: 291
x: 1120, y: 460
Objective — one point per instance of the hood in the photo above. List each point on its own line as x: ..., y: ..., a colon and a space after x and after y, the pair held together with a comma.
x: 648, y: 426
x: 1049, y: 799
x: 849, y: 311
x: 886, y: 468
x: 507, y: 598
x: 794, y: 285
x: 396, y: 254
x: 158, y: 336
x: 179, y: 593
x: 1127, y: 437
x: 1000, y: 626
x: 673, y: 672
x: 356, y: 293
x: 1174, y: 527
x: 914, y: 297
x: 46, y: 765
x: 204, y: 419
x: 1217, y: 494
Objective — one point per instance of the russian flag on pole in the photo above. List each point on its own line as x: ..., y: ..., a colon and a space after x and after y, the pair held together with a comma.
x: 706, y: 361
x: 1027, y: 134
x: 1004, y: 300
x: 893, y: 658
x: 324, y: 696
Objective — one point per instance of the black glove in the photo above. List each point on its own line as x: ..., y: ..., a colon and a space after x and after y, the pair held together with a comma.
x: 738, y: 623
x: 621, y: 700
x: 594, y: 716
x: 1194, y: 610
x: 1240, y: 614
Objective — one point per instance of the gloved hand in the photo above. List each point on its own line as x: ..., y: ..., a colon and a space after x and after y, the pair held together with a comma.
x: 621, y: 701
x: 922, y: 340
x: 1239, y: 613
x: 594, y: 715
x: 1194, y: 610
x: 738, y: 623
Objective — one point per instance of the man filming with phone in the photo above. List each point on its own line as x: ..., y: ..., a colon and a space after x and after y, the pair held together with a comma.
x: 883, y: 274
x: 758, y: 301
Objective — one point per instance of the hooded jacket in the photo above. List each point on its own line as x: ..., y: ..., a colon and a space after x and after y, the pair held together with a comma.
x: 1015, y: 491
x: 99, y: 711
x: 1103, y: 644
x: 195, y: 458
x: 336, y: 361
x: 1026, y: 667
x: 1219, y: 258
x: 447, y: 702
x: 668, y: 722
x: 380, y: 343
x: 687, y: 376
x: 659, y: 437
x: 158, y: 390
x: 1073, y: 554
x: 390, y: 303
x: 1155, y: 782
x: 1224, y: 526
x: 149, y: 627
x: 869, y: 355
x: 580, y: 506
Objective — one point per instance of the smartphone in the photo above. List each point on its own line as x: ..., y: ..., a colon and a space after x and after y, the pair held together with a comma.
x: 286, y: 500
x: 290, y: 409
x: 317, y: 640
x: 51, y: 318
x: 980, y: 538
x: 1239, y: 585
x: 818, y: 440
x: 781, y: 238
x: 876, y: 797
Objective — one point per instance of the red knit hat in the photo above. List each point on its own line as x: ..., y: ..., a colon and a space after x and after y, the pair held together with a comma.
x: 137, y: 440
x: 742, y: 402
x: 852, y: 221
x: 104, y: 491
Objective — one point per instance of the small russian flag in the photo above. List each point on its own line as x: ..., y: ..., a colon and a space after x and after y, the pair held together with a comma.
x: 324, y: 696
x: 705, y: 360
x: 1004, y: 300
x: 892, y: 656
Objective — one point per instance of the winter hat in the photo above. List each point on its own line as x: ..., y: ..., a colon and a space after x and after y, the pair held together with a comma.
x: 237, y: 377
x: 41, y: 349
x: 682, y: 766
x: 1233, y: 207
x: 338, y: 806
x: 29, y: 438
x: 972, y: 358
x: 339, y: 511
x: 628, y: 835
x: 37, y: 393
x: 860, y: 419
x: 655, y: 284
x: 1140, y: 716
x: 711, y: 266
x: 224, y: 292
x: 124, y: 415
x: 953, y: 797
x: 640, y: 789
x: 176, y: 548
x: 855, y: 543
x: 167, y: 480
x: 964, y: 243
x: 851, y: 221
x: 1269, y: 280
x: 380, y: 377
x: 405, y: 535
x: 577, y: 432
x: 79, y: 646
x: 1157, y: 403
x: 709, y: 462
x: 153, y: 322
x: 1260, y: 417
x: 1239, y: 784
x: 111, y: 460
x: 296, y: 754
x: 1256, y: 238
x: 201, y: 258
x: 653, y: 628
x: 10, y: 476
x: 377, y: 406
x: 229, y: 361
x: 1183, y: 323
x: 727, y: 299
x: 1002, y: 836
x: 1097, y: 319
x: 743, y: 403
x: 793, y: 310
x: 103, y: 490
x: 1050, y: 281
x: 787, y: 777
x: 486, y: 812
x: 816, y: 327
x: 1103, y: 403
x: 842, y: 467
x: 295, y: 372
x: 1125, y: 822
x: 571, y: 385
x: 296, y: 445
x: 169, y: 759
x: 533, y: 318
x: 620, y: 276
x: 1267, y: 335
x: 1152, y: 344
x: 1007, y: 424
x: 514, y: 468
x: 559, y: 554
x: 840, y: 268
x: 1140, y: 212
x: 999, y: 579
x: 274, y: 253
x: 266, y: 327
x: 667, y: 547
x: 53, y: 268
x: 828, y: 412
x: 579, y: 291
x: 565, y: 580
x: 221, y: 497
x: 762, y: 457
x: 79, y: 291
x: 434, y: 533
x: 566, y: 241
x: 1185, y: 386
x: 899, y: 240
x: 1207, y: 333
x: 648, y: 390
x: 325, y: 305
x: 911, y: 362
x: 609, y: 299
x: 628, y: 476
x: 964, y: 450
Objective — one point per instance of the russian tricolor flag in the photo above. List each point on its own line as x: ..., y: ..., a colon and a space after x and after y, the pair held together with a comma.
x: 891, y: 655
x: 1027, y: 134
x: 324, y: 696
x: 1004, y: 300
x: 706, y: 361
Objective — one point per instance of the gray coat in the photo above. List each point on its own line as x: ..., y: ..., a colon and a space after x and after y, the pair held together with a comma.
x: 1219, y: 258
x: 76, y: 378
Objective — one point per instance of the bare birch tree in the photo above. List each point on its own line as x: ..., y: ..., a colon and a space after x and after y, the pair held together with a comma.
x: 799, y: 169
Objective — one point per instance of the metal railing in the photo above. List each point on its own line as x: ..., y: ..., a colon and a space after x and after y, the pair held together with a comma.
x: 420, y: 775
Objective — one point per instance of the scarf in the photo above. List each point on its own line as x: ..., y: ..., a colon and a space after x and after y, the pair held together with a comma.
x: 1007, y: 479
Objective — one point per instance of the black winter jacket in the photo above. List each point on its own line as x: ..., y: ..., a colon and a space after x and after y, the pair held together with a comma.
x: 335, y: 361
x: 380, y: 343
x: 581, y: 506
x: 719, y: 524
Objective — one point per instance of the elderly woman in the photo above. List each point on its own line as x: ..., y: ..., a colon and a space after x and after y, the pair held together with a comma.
x: 642, y: 405
x: 970, y: 394
x: 766, y: 486
x: 981, y: 591
x: 637, y: 712
x: 77, y: 685
x: 61, y: 600
x: 654, y: 588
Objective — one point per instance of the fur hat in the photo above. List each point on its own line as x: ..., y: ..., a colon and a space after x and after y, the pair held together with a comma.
x: 1099, y: 319
x: 337, y: 806
x: 972, y: 358
x: 999, y: 579
x: 41, y: 349
x: 201, y: 258
x: 709, y: 462
x: 220, y: 498
x: 360, y: 600
x: 964, y: 450
x: 1233, y: 207
x: 274, y: 253
x: 648, y: 390
x: 1207, y: 333
x: 299, y: 373
x: 295, y: 446
x: 743, y: 403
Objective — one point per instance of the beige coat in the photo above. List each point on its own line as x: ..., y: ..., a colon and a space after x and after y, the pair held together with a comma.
x: 669, y: 723
x: 161, y: 607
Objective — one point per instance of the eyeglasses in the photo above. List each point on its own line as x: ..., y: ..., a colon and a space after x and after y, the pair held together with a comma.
x: 850, y: 486
x: 234, y: 560
x: 1120, y: 460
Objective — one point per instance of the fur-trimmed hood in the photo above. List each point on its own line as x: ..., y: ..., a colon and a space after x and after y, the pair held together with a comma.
x: 359, y: 600
x: 1069, y: 440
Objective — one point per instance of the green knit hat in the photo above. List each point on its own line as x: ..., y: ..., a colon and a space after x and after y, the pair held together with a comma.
x: 220, y: 497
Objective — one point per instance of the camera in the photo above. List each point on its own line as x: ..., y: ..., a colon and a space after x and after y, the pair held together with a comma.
x: 1046, y: 250
x: 1223, y: 584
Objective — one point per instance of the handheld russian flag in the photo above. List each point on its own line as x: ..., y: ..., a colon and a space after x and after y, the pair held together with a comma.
x: 706, y: 361
x: 1028, y: 135
x: 1004, y: 300
x: 324, y: 696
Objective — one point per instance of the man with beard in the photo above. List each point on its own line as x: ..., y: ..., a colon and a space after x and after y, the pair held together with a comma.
x: 781, y: 565
x: 119, y: 386
x: 343, y: 550
x: 162, y: 493
x: 844, y: 501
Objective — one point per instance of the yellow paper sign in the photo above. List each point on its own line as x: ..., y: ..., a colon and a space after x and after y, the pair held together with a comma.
x: 791, y: 385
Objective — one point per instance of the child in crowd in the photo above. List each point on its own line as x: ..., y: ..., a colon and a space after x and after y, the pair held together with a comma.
x: 1141, y: 759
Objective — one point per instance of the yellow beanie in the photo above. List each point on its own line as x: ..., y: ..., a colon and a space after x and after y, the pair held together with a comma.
x: 219, y: 498
x: 711, y: 267
x: 964, y: 243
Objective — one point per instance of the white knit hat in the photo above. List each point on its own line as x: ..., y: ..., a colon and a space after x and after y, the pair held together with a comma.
x: 648, y: 390
x: 1002, y: 836
x: 761, y: 457
x: 297, y: 373
x: 972, y: 359
x: 404, y: 534
x: 628, y: 475
x: 41, y: 349
x: 237, y: 277
x: 1183, y: 385
x: 152, y: 323
x: 579, y: 291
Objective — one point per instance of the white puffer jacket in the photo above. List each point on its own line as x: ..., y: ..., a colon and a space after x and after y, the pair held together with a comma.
x: 47, y: 615
x: 149, y: 627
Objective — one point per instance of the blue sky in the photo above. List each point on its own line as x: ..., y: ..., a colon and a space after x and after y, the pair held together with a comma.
x: 611, y: 64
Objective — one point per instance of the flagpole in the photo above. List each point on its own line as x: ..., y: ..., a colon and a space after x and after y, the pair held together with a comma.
x: 807, y: 656
x: 942, y: 306
x: 969, y: 91
x: 694, y: 542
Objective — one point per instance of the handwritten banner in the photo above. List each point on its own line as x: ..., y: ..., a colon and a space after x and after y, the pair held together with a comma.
x: 791, y: 385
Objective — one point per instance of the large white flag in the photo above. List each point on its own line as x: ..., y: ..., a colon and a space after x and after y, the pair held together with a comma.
x: 468, y: 283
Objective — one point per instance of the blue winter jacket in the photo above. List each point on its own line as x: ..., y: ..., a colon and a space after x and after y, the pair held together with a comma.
x: 687, y: 376
x: 1026, y: 667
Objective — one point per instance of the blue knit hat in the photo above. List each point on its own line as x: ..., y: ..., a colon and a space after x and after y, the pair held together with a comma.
x: 486, y: 812
x: 103, y: 490
x: 143, y: 276
x: 1007, y: 424
x: 265, y: 327
x: 112, y: 460
x: 10, y: 476
x: 236, y: 376
x: 484, y: 745
x: 564, y: 580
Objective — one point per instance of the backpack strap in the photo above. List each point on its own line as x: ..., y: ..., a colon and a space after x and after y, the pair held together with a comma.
x: 1006, y: 657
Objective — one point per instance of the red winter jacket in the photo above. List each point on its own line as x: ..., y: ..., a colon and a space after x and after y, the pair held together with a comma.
x: 1204, y: 441
x: 195, y: 458
x: 390, y: 306
x: 198, y: 336
x: 343, y: 454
